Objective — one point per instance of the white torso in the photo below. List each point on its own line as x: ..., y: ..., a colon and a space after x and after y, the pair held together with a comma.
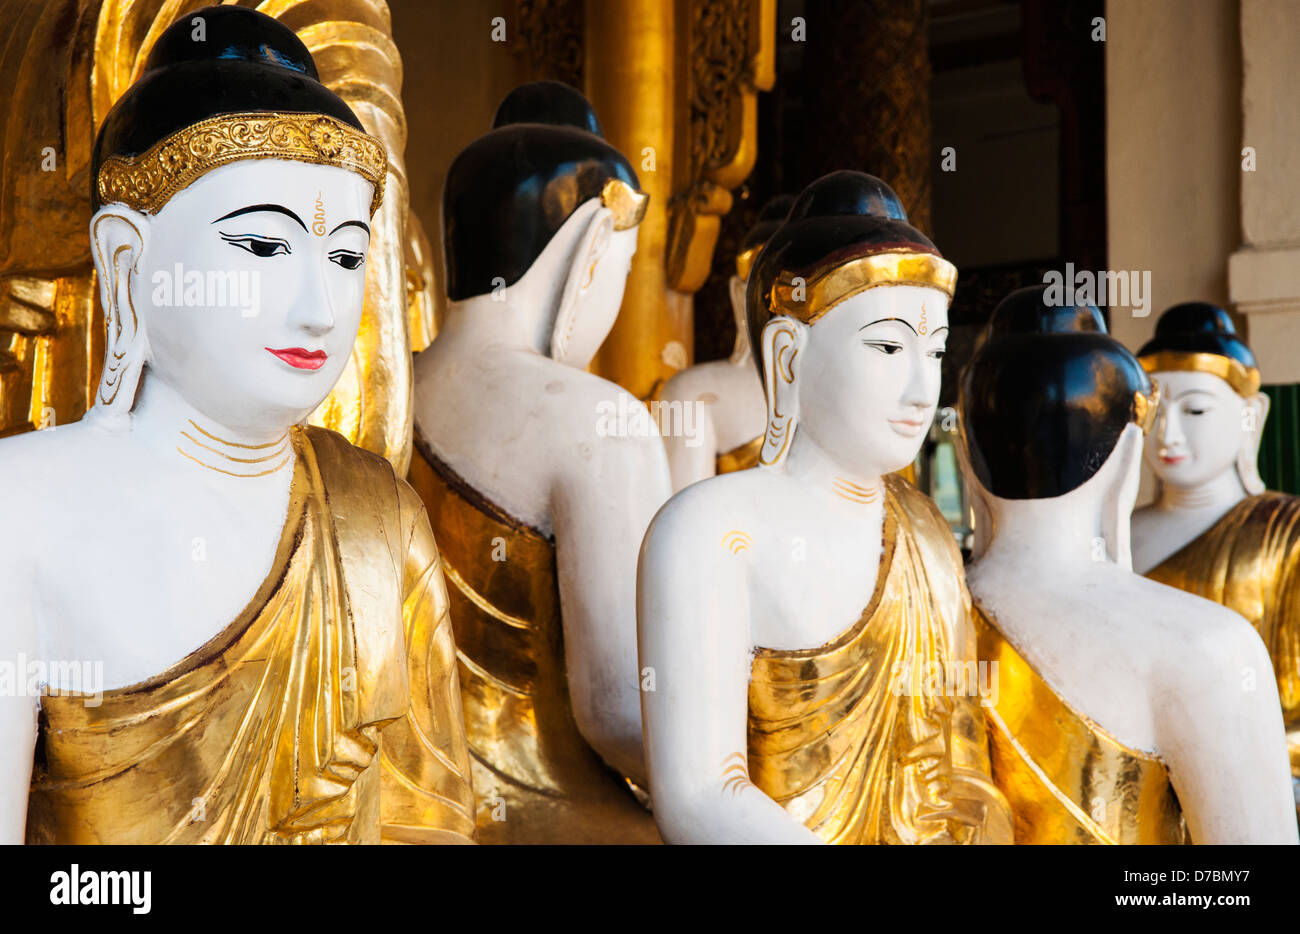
x: 146, y: 557
x: 522, y: 429
x: 1179, y: 517
x: 1160, y: 670
x: 757, y: 558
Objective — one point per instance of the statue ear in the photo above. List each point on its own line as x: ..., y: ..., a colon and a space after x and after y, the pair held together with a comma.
x: 736, y: 290
x: 1119, y: 497
x: 118, y: 238
x: 783, y: 337
x: 1252, y: 430
x: 592, y: 245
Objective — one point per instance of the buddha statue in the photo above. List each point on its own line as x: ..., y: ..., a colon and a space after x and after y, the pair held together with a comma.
x: 66, y: 63
x: 1120, y: 714
x: 263, y: 602
x: 795, y: 615
x: 1213, y: 530
x: 729, y: 393
x: 538, y: 490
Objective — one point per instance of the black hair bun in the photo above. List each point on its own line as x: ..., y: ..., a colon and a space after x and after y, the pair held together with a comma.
x: 1198, y: 327
x: 1046, y: 397
x: 214, y: 61
x: 510, y: 190
x: 772, y: 216
x: 550, y: 102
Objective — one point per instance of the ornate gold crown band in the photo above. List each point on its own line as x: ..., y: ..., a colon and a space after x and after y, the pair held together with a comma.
x: 824, y: 289
x: 625, y: 202
x: 1145, y: 407
x: 1243, y: 379
x: 147, y: 182
x: 745, y: 260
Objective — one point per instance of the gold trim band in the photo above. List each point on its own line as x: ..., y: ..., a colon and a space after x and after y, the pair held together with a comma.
x: 148, y: 181
x: 745, y: 260
x: 808, y: 301
x: 627, y: 204
x: 1243, y: 379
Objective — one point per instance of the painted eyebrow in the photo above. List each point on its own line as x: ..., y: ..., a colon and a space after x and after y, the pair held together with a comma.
x: 883, y: 320
x: 360, y: 224
x: 255, y: 208
x: 1188, y: 392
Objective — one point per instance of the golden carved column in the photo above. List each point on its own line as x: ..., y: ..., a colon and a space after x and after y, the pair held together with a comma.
x: 675, y: 85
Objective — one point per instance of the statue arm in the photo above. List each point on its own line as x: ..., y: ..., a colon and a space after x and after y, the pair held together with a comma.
x: 602, y: 504
x: 695, y: 458
x: 18, y: 639
x: 693, y: 616
x: 426, y: 796
x: 1223, y: 742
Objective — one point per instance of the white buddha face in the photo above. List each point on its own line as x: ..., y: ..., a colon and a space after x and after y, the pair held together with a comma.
x: 251, y: 287
x: 869, y: 377
x: 1199, y: 431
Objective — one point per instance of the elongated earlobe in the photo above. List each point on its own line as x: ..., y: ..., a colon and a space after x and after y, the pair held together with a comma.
x: 592, y: 245
x: 782, y: 340
x: 1117, y: 506
x: 118, y: 236
x: 1253, y: 433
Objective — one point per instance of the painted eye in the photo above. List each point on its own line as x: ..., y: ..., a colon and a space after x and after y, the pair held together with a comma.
x: 1191, y: 411
x: 258, y: 246
x: 347, y: 259
x: 884, y: 347
x: 938, y: 354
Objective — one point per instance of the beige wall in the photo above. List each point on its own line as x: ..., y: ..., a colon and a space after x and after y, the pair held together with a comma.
x: 1264, y: 274
x: 1173, y: 149
x: 454, y: 76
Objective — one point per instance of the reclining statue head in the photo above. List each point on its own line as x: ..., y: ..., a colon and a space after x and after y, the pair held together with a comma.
x: 848, y: 315
x: 1211, y: 411
x: 541, y: 213
x: 233, y: 194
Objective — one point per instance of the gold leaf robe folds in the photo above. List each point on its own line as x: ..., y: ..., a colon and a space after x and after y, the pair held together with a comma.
x: 536, y: 778
x: 327, y: 712
x: 1249, y: 561
x: 848, y: 737
x: 1068, y: 780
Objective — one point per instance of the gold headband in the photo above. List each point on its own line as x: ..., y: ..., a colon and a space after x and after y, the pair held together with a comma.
x: 745, y: 260
x: 1243, y: 379
x: 824, y: 289
x: 148, y: 181
x: 627, y: 204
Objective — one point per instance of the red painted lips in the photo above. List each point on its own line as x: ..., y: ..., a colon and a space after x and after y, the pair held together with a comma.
x: 300, y: 358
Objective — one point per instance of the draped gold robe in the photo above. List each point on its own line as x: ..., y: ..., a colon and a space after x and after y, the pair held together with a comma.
x: 1068, y: 780
x: 865, y: 739
x: 536, y: 778
x: 328, y: 711
x: 741, y: 457
x: 1249, y: 561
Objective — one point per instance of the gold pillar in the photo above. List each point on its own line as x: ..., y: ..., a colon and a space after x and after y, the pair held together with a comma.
x: 675, y: 83
x: 630, y: 79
